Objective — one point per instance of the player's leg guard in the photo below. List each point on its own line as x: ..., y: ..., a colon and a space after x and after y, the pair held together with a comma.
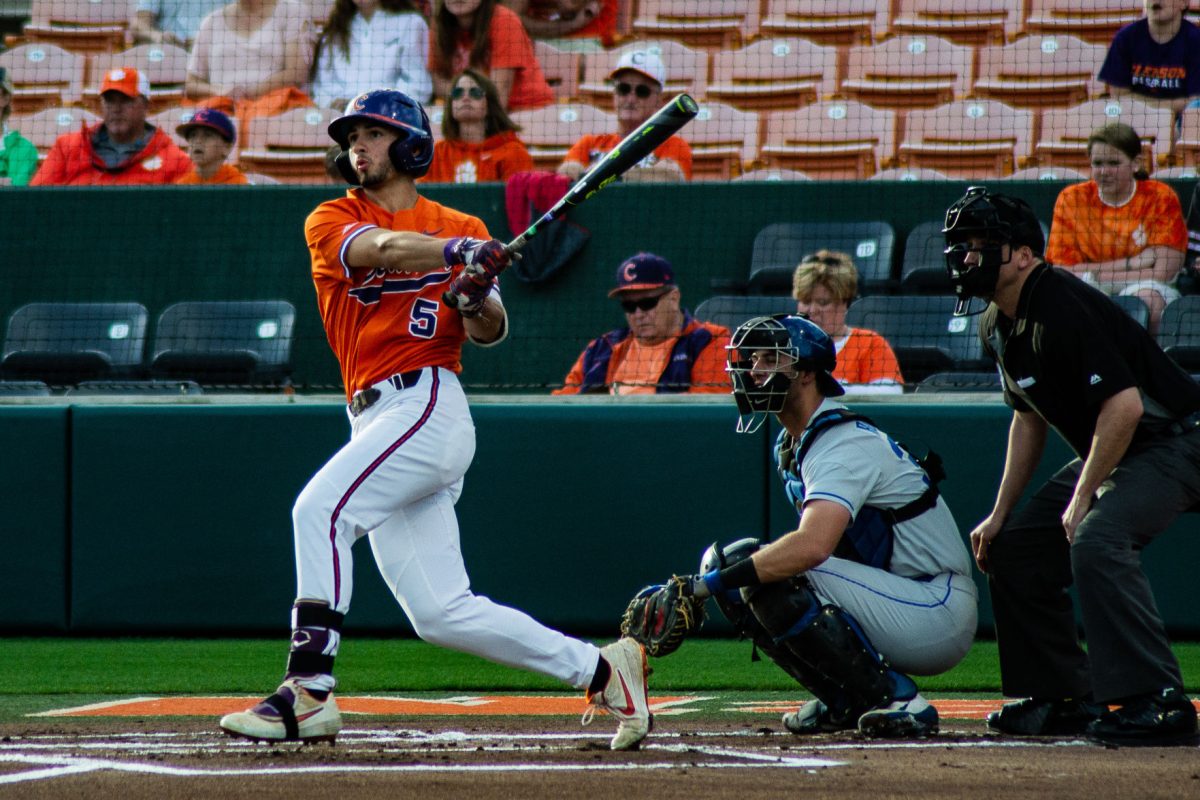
x: 316, y: 635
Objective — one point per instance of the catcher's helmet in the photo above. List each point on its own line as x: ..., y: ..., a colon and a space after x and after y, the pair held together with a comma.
x: 996, y: 220
x: 411, y: 153
x: 730, y: 601
x: 794, y: 335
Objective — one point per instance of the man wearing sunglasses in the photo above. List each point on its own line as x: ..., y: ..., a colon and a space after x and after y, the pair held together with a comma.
x: 637, y: 82
x: 661, y: 350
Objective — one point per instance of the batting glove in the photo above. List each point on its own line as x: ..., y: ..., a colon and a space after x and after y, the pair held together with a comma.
x: 482, y: 259
x: 468, y: 293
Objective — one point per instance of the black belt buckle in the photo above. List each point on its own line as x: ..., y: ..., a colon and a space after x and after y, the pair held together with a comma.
x: 364, y: 400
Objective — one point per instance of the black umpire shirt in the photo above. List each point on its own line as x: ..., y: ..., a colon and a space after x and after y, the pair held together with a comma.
x: 1070, y: 348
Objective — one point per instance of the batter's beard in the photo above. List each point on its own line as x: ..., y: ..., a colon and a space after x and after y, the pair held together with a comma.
x: 373, y: 178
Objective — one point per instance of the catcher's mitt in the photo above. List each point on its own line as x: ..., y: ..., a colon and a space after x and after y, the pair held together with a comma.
x: 659, y: 617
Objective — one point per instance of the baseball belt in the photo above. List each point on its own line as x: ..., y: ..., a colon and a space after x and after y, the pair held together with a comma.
x: 369, y: 397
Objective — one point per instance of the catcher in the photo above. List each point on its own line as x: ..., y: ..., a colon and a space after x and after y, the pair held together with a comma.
x: 872, y: 585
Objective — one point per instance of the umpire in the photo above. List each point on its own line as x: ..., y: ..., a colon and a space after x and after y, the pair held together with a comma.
x: 1071, y: 359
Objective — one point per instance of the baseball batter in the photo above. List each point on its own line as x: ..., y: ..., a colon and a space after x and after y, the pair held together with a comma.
x: 382, y: 257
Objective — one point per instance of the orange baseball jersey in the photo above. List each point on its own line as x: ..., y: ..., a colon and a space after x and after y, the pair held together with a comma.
x: 494, y: 159
x: 866, y: 357
x: 589, y: 147
x: 1086, y: 230
x: 226, y: 175
x: 381, y: 322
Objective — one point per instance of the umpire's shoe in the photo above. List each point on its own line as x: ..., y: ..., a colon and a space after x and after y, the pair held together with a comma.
x: 624, y: 695
x: 1041, y: 717
x: 1162, y: 719
x: 289, y: 715
x: 814, y: 717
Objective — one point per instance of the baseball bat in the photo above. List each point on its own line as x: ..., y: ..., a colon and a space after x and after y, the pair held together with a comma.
x: 643, y: 141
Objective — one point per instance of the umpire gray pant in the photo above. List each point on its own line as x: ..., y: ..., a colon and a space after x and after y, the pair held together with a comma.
x: 1031, y: 567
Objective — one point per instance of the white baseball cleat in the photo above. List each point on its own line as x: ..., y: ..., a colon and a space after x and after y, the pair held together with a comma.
x: 913, y: 718
x: 289, y: 715
x: 624, y: 695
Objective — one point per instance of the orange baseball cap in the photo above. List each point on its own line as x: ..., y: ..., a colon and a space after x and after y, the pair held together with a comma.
x: 126, y: 80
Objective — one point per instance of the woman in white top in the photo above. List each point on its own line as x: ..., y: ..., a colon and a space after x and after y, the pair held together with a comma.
x: 367, y: 44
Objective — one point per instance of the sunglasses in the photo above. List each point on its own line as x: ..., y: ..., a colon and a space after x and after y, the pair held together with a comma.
x: 828, y: 261
x: 641, y: 90
x: 645, y: 304
x: 475, y: 93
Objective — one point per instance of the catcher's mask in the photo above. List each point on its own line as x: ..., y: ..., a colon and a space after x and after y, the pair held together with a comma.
x: 994, y: 221
x: 730, y: 601
x: 778, y: 347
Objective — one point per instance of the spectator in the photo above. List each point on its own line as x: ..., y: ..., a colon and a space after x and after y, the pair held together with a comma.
x: 573, y: 20
x: 251, y: 57
x: 1120, y: 230
x: 638, y: 81
x: 210, y: 137
x: 369, y: 43
x: 18, y: 156
x: 170, y: 21
x: 824, y: 285
x: 479, y: 142
x: 662, y: 349
x: 122, y: 149
x: 1156, y: 58
x: 489, y: 38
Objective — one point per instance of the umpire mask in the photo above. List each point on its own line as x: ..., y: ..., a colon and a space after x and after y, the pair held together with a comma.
x: 995, y: 222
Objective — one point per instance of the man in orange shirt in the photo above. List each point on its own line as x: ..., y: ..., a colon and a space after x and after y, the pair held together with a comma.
x: 663, y: 349
x: 123, y: 149
x: 210, y: 137
x: 386, y: 263
x: 638, y: 81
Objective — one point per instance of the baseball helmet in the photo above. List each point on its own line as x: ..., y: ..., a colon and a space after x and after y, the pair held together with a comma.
x: 996, y: 220
x: 793, y: 335
x: 411, y: 153
x: 730, y: 601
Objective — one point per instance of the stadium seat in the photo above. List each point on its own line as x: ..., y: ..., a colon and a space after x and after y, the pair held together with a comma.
x: 1047, y: 174
x: 827, y: 22
x: 224, y: 342
x: 904, y: 174
x: 1188, y: 173
x: 687, y: 70
x: 139, y: 387
x: 732, y: 310
x: 713, y: 24
x: 1187, y: 149
x: 23, y: 389
x: 923, y: 332
x: 723, y: 141
x: 1095, y: 21
x: 839, y: 139
x: 960, y: 382
x: 908, y: 72
x: 64, y: 343
x: 561, y: 68
x: 779, y: 247
x: 258, y: 179
x: 1134, y: 307
x: 774, y: 74
x: 549, y: 132
x: 1179, y: 331
x: 289, y: 146
x: 43, y: 76
x: 976, y: 139
x: 771, y: 175
x: 923, y: 262
x: 1063, y: 141
x: 966, y: 22
x: 44, y: 127
x: 164, y: 65
x: 1040, y: 71
x: 94, y: 26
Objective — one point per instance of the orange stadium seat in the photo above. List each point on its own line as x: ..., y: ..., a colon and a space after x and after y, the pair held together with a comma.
x: 43, y: 76
x: 771, y: 175
x: 1063, y: 140
x: 904, y: 174
x: 164, y: 65
x: 290, y: 146
x: 723, y: 141
x: 549, y: 132
x: 774, y: 73
x: 687, y: 70
x: 1040, y: 71
x: 44, y: 127
x: 561, y: 68
x: 715, y: 24
x: 838, y: 139
x: 828, y: 22
x: 1187, y: 149
x: 1095, y: 21
x: 908, y: 72
x: 82, y: 26
x: 968, y: 139
x: 1047, y: 174
x: 966, y: 22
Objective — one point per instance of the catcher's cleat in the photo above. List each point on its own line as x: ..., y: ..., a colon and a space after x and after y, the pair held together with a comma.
x: 1040, y: 717
x: 289, y: 715
x: 913, y: 718
x: 811, y: 718
x: 624, y: 695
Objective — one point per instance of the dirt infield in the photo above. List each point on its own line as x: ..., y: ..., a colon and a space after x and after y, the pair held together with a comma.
x: 487, y: 757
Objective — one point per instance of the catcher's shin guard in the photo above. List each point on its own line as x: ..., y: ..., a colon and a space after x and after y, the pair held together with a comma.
x: 822, y: 648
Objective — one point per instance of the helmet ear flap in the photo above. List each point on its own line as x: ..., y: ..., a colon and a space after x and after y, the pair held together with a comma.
x: 345, y: 168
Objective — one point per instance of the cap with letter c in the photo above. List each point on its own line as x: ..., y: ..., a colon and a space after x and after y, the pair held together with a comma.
x: 644, y: 62
x: 643, y: 271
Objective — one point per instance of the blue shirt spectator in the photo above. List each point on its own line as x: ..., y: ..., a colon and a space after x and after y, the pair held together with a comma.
x: 1156, y: 58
